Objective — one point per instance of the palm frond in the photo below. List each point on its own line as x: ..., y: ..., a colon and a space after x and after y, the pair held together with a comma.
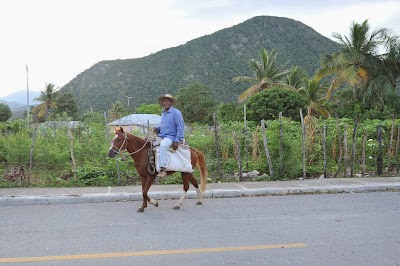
x: 249, y: 92
x: 248, y: 79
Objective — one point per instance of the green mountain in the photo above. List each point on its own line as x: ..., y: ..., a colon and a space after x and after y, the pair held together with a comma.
x: 211, y: 60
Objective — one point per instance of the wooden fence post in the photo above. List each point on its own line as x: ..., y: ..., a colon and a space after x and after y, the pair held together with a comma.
x: 28, y: 180
x: 363, y: 155
x: 271, y: 169
x: 346, y: 156
x: 238, y: 158
x: 390, y: 148
x: 216, y: 144
x: 379, y: 164
x: 303, y: 142
x: 107, y: 133
x: 340, y: 147
x: 245, y: 138
x: 324, y: 145
x: 397, y: 149
x: 281, y: 164
x: 71, y: 146
x: 353, y: 148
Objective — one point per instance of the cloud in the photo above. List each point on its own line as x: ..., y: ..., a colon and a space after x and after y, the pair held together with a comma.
x: 60, y: 39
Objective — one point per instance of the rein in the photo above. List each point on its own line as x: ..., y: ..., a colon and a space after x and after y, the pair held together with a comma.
x: 144, y: 145
x: 130, y: 153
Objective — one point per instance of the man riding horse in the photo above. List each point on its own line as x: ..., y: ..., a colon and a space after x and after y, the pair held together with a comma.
x: 171, y: 130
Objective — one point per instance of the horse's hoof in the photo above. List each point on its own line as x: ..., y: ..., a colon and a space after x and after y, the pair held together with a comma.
x: 176, y: 208
x: 140, y: 210
x: 199, y: 203
x: 156, y: 204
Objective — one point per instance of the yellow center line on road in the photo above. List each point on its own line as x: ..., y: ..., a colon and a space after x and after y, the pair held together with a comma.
x: 149, y: 253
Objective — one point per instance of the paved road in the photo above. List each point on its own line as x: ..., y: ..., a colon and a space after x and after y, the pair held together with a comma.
x: 33, y: 196
x: 319, y: 229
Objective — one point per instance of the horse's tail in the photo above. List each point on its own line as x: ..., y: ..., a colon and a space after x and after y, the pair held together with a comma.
x: 201, y: 164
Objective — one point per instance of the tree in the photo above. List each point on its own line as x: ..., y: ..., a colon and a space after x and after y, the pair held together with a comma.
x: 295, y: 77
x: 314, y: 91
x: 24, y: 113
x: 267, y: 74
x: 357, y: 60
x: 391, y: 58
x: 149, y: 109
x: 66, y: 103
x: 93, y: 117
x: 268, y: 103
x: 117, y: 111
x: 196, y: 103
x: 48, y: 99
x: 381, y: 87
x: 368, y: 63
x: 5, y: 112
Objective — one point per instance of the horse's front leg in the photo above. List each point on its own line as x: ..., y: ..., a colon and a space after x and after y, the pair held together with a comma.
x: 144, y: 201
x: 146, y: 184
x: 150, y: 200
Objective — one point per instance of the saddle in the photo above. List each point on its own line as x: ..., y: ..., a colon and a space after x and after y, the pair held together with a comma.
x: 179, y: 159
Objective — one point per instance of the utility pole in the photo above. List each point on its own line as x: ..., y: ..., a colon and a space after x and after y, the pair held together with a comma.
x: 27, y: 96
x: 129, y: 97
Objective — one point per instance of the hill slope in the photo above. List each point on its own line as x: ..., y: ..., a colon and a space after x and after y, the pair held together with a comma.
x: 212, y: 60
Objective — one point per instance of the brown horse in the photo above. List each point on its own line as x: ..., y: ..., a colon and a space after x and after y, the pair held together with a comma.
x: 138, y: 148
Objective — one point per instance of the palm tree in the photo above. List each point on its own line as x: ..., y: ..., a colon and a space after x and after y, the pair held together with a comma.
x: 295, y: 77
x: 314, y: 90
x: 356, y: 61
x: 267, y: 74
x: 117, y: 111
x: 391, y: 59
x: 378, y: 90
x: 48, y: 99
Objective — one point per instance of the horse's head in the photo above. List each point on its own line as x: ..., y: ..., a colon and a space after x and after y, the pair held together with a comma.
x: 118, y: 143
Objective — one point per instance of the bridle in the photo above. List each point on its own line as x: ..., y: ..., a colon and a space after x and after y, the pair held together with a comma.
x: 116, y: 149
x: 120, y: 149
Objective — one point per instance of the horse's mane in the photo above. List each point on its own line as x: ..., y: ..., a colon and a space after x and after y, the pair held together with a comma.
x: 136, y: 139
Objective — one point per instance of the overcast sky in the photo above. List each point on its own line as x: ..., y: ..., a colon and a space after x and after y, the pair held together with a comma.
x: 58, y: 39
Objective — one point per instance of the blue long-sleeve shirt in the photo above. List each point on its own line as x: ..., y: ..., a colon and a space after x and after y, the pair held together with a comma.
x: 172, y: 125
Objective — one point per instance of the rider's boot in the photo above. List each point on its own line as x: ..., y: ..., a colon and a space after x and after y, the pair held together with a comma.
x: 162, y: 172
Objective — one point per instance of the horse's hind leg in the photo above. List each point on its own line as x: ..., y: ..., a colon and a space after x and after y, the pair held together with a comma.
x: 196, y: 185
x: 185, y: 180
x: 152, y: 201
x: 180, y: 202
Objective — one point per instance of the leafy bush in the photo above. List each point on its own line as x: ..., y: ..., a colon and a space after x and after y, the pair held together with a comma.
x: 228, y: 112
x: 268, y: 103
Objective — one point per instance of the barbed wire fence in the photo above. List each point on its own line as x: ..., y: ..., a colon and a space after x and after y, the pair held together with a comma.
x: 219, y: 156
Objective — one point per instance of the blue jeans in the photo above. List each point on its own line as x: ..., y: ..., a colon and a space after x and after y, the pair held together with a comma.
x: 164, y: 152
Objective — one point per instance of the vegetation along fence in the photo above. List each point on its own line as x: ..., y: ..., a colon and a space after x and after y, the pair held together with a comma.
x: 278, y: 149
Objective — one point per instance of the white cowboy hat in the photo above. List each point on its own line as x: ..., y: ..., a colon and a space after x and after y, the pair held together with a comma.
x: 166, y: 96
